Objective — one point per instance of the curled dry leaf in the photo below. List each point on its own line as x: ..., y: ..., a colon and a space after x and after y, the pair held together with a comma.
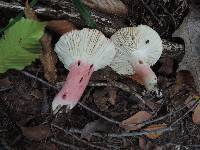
x: 133, y: 123
x: 196, y: 115
x: 154, y: 127
x: 29, y: 12
x: 48, y: 58
x: 108, y: 6
x: 60, y: 26
x: 36, y: 133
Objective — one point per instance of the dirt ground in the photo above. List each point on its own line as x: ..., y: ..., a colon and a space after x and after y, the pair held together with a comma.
x: 27, y: 123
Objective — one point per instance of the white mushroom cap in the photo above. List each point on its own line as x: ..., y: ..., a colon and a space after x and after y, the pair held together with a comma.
x: 134, y: 44
x: 88, y: 45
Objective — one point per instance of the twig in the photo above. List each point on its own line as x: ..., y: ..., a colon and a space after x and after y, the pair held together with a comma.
x: 77, y: 138
x: 182, y: 117
x: 5, y: 89
x: 38, y: 79
x: 78, y: 131
x: 161, y: 118
x: 131, y: 134
x: 64, y: 144
x: 98, y: 114
x: 117, y: 135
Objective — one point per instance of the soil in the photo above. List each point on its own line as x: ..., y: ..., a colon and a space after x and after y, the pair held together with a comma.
x: 27, y: 122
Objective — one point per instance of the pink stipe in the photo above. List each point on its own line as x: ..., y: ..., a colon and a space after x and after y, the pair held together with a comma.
x: 75, y: 84
x: 144, y: 71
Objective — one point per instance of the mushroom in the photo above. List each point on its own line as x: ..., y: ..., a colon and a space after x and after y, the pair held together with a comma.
x: 137, y: 48
x: 82, y: 52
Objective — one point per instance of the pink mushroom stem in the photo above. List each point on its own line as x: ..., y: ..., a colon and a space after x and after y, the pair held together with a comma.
x: 144, y: 71
x: 74, y: 86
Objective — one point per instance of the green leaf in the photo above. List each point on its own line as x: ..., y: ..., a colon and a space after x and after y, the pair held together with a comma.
x: 85, y: 13
x: 18, y: 17
x: 20, y: 44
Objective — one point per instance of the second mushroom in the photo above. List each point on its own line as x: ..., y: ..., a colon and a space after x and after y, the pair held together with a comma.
x: 137, y: 49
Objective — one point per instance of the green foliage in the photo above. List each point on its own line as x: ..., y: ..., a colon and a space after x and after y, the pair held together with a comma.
x: 85, y: 13
x: 20, y: 44
x: 18, y: 17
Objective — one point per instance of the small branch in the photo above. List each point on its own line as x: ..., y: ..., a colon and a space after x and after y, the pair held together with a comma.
x: 39, y: 79
x: 98, y: 114
x: 131, y: 134
x: 6, y: 89
x: 118, y: 135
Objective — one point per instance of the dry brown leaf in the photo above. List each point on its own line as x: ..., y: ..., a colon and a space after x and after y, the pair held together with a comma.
x: 36, y: 133
x: 29, y: 12
x: 116, y: 7
x: 4, y: 83
x: 189, y: 31
x: 60, y: 26
x: 196, y: 115
x: 132, y: 123
x: 154, y: 127
x: 48, y: 58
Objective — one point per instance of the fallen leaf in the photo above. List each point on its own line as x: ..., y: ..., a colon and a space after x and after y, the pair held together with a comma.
x: 133, y: 123
x: 29, y: 12
x: 196, y: 115
x: 154, y: 127
x: 20, y: 44
x: 91, y: 127
x: 60, y: 26
x: 167, y: 66
x: 189, y: 31
x: 36, y: 133
x: 48, y: 58
x: 4, y: 83
x: 116, y: 7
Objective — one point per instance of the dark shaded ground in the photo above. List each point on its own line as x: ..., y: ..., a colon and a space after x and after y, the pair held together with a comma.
x: 27, y: 103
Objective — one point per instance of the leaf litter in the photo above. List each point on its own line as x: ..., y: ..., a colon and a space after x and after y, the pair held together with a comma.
x: 111, y: 94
